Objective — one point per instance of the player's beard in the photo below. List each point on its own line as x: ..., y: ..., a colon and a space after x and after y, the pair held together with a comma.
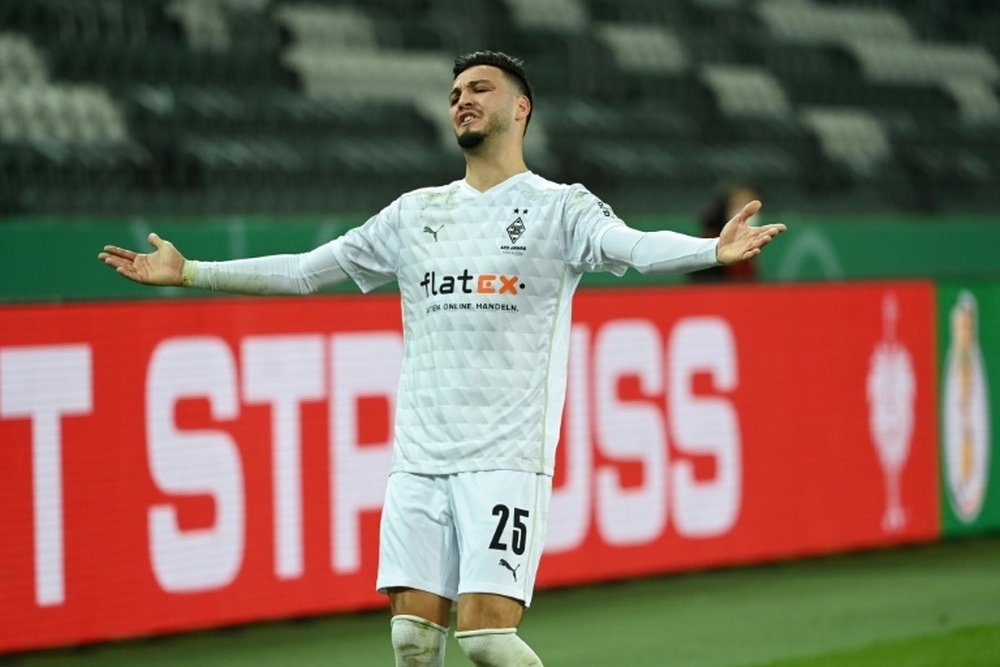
x: 472, y: 140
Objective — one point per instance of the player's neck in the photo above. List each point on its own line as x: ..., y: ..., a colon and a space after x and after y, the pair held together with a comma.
x: 487, y: 169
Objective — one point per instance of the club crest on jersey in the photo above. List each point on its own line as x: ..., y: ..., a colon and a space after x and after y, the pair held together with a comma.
x: 516, y: 228
x: 515, y: 231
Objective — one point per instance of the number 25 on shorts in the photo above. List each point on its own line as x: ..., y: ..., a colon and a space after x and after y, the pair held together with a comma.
x: 519, y: 532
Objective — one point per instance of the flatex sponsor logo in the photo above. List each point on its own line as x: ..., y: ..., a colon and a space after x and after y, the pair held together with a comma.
x: 466, y: 282
x: 505, y: 288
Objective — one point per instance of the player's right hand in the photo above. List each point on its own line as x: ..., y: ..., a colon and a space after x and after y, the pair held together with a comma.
x: 163, y: 266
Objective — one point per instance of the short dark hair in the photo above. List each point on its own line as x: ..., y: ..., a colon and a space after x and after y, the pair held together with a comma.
x: 513, y: 67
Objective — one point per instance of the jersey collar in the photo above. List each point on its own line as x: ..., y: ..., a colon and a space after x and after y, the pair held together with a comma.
x: 499, y: 187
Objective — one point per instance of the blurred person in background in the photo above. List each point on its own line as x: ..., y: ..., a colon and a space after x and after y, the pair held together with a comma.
x: 486, y: 266
x: 727, y: 203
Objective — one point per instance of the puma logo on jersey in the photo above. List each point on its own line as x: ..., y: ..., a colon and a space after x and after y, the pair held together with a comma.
x: 513, y: 570
x: 433, y: 232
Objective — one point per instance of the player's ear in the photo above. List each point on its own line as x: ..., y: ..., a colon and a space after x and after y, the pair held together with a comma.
x: 523, y: 107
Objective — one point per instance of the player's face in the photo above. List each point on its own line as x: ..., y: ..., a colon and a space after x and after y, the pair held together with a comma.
x: 483, y: 104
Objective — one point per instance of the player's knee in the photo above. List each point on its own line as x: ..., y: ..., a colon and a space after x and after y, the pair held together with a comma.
x: 497, y: 648
x: 417, y: 642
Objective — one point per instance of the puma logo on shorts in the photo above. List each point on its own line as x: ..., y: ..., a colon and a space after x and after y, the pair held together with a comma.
x: 513, y: 570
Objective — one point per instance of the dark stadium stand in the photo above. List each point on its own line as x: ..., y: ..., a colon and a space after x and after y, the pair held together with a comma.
x: 200, y: 107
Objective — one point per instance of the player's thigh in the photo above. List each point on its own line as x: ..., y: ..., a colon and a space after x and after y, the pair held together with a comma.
x: 418, y: 547
x: 413, y: 602
x: 500, y: 522
x: 478, y: 611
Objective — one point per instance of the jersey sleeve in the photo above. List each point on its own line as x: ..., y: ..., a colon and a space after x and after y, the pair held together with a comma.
x: 662, y: 251
x: 369, y: 254
x: 587, y: 219
x: 304, y: 273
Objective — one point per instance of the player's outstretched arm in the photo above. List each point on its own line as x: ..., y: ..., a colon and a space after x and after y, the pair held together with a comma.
x: 739, y: 242
x: 303, y: 273
x: 163, y: 266
x: 666, y: 251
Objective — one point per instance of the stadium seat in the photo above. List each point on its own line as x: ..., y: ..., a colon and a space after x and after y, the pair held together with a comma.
x: 924, y: 62
x: 851, y: 137
x: 557, y: 15
x: 746, y: 91
x: 820, y: 23
x: 644, y: 48
x: 977, y: 101
x: 318, y: 26
x: 20, y: 61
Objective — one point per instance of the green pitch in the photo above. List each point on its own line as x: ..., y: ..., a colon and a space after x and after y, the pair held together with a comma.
x: 923, y: 606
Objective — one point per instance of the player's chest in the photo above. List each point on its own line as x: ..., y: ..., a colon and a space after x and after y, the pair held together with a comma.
x: 507, y: 234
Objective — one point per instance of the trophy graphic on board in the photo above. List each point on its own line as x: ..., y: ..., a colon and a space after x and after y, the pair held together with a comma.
x: 891, y: 391
x: 966, y: 413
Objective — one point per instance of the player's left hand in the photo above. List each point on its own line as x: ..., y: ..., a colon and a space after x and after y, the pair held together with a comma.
x: 739, y: 242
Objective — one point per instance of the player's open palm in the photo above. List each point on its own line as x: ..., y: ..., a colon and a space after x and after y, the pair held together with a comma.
x: 739, y: 242
x: 163, y: 266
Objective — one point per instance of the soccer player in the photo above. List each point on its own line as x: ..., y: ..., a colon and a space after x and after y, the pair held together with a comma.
x: 486, y: 267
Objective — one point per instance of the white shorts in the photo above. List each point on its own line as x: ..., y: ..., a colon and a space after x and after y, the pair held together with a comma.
x: 471, y: 532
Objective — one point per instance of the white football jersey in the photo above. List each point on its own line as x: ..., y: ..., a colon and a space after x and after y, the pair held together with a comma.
x: 487, y: 280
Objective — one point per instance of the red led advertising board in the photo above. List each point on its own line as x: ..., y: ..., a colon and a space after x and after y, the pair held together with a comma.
x: 177, y: 465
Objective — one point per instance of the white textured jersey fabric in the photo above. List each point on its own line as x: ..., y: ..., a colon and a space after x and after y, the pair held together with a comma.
x: 486, y: 280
